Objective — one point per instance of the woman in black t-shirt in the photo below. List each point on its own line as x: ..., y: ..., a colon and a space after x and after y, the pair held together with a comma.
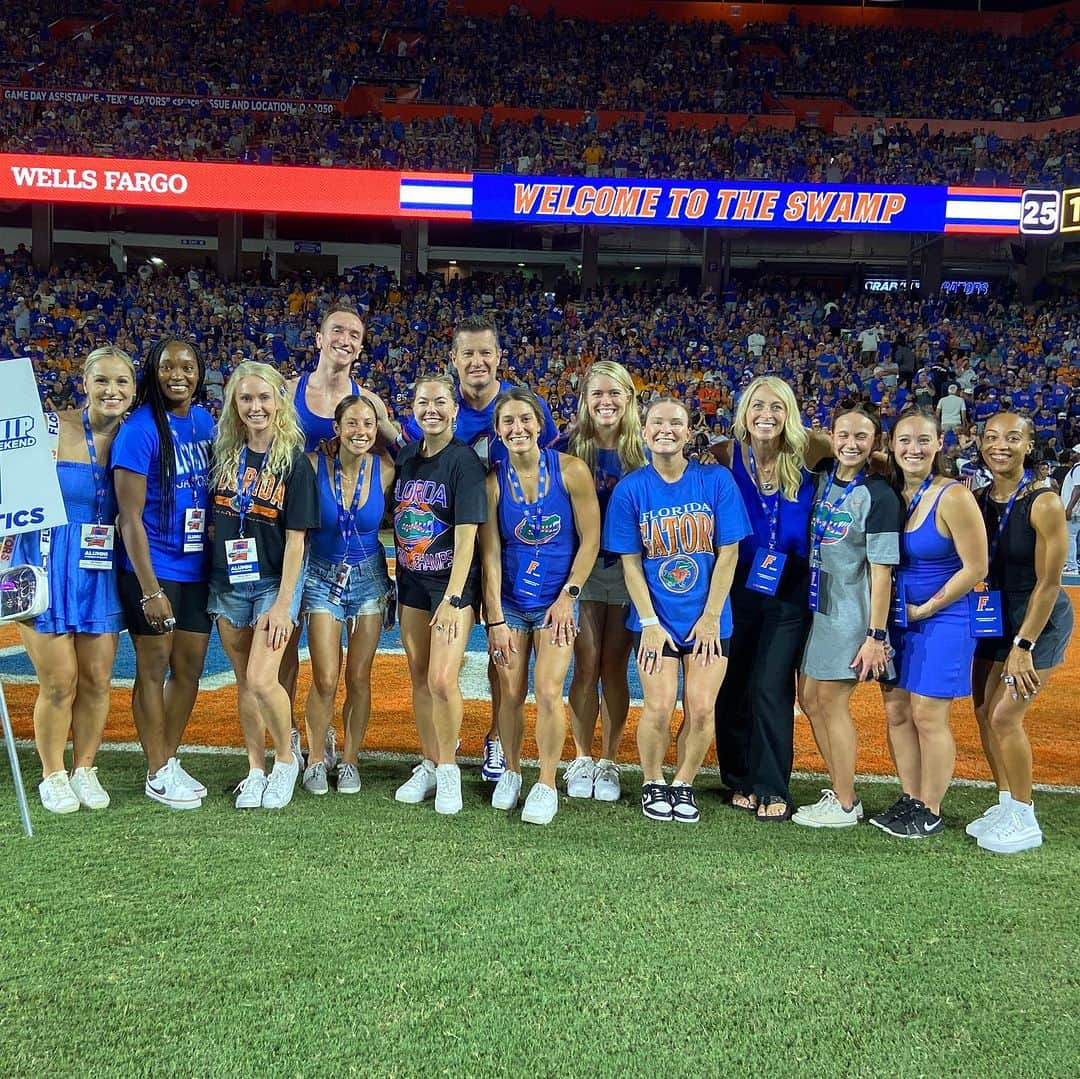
x: 439, y: 500
x: 264, y: 499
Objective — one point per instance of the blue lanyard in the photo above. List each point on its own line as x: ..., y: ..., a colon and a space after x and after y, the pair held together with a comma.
x: 192, y: 481
x: 770, y: 504
x: 245, y: 493
x: 995, y: 539
x: 532, y: 512
x: 822, y: 520
x: 101, y: 482
x: 918, y: 497
x: 347, y: 518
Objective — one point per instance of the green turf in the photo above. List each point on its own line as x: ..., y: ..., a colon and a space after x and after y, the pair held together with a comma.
x: 357, y: 936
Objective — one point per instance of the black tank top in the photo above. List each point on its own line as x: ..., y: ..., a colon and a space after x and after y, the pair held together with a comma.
x: 1013, y: 567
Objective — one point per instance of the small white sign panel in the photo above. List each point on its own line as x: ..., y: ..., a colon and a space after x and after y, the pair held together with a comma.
x: 30, y: 496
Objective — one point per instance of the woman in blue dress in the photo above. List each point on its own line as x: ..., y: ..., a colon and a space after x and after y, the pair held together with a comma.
x: 346, y: 584
x: 538, y: 544
x: 943, y: 556
x: 161, y: 468
x: 608, y: 440
x: 73, y: 644
x: 677, y: 525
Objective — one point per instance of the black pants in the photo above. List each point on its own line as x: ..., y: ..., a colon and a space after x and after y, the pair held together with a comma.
x: 755, y: 709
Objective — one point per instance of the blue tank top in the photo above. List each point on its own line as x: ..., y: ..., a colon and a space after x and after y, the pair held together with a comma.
x: 554, y: 542
x: 928, y: 559
x: 327, y: 542
x: 793, y: 531
x: 316, y: 429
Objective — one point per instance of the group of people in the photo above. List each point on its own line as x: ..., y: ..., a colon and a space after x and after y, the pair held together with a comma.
x: 803, y: 562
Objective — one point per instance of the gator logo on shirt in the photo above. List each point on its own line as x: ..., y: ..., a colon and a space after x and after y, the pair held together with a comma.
x: 838, y: 525
x: 528, y: 532
x: 414, y: 526
x: 678, y: 574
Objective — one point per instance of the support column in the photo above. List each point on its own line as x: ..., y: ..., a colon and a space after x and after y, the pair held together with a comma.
x: 1031, y: 272
x: 590, y: 258
x: 230, y: 246
x: 270, y: 233
x: 41, y: 235
x: 715, y: 259
x: 933, y: 259
x: 414, y: 250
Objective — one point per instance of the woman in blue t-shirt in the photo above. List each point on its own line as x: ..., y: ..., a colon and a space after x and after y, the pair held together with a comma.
x: 677, y: 525
x: 161, y: 469
x: 539, y: 543
x: 346, y: 583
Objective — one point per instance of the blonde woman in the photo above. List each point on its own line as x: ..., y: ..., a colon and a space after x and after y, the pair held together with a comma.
x: 608, y: 439
x: 770, y: 458
x: 73, y: 644
x: 264, y: 499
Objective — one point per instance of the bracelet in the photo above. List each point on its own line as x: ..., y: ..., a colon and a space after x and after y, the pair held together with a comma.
x: 492, y: 625
x: 646, y: 622
x: 153, y: 595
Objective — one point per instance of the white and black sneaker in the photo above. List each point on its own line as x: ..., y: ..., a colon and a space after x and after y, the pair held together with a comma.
x: 656, y: 801
x: 917, y: 823
x: 684, y: 806
x: 898, y: 809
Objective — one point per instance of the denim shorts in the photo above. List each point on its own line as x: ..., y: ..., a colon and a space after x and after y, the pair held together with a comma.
x: 527, y: 621
x: 364, y: 594
x: 243, y: 604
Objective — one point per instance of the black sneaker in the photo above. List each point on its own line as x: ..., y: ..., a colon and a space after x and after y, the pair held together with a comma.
x: 683, y: 804
x: 899, y: 808
x: 927, y: 822
x: 656, y: 801
x: 917, y: 823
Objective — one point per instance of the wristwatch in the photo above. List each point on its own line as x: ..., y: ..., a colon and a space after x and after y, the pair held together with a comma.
x: 572, y: 590
x: 877, y: 634
x: 1023, y: 643
x: 456, y: 602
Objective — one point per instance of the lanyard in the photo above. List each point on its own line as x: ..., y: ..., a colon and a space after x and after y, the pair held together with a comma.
x: 245, y: 494
x: 192, y: 481
x: 532, y: 512
x: 995, y: 539
x: 101, y: 488
x: 822, y: 520
x: 918, y: 497
x: 770, y: 504
x: 347, y: 518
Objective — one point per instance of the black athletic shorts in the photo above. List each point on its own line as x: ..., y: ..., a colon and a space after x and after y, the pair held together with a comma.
x: 188, y: 599
x: 426, y: 593
x: 688, y: 650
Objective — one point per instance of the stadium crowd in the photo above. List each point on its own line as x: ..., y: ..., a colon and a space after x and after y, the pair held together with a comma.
x: 891, y: 347
x: 551, y: 63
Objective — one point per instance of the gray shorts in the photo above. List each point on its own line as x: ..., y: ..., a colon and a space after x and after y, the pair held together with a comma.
x: 605, y: 583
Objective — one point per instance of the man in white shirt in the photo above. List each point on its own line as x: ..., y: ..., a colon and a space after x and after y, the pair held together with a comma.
x: 952, y: 410
x: 755, y: 343
x: 1070, y: 495
x: 868, y: 346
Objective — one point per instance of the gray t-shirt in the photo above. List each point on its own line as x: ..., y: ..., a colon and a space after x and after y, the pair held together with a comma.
x: 866, y: 529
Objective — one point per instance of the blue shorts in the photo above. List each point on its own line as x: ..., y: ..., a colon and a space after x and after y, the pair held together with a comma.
x: 364, y: 594
x: 243, y: 604
x: 524, y: 621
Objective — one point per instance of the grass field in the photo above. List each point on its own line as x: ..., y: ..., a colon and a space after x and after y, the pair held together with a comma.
x: 358, y: 936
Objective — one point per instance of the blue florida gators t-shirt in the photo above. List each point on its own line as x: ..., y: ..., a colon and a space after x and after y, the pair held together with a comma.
x: 137, y: 449
x: 676, y: 528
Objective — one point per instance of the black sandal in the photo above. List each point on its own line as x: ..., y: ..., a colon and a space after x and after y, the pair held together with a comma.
x: 773, y: 818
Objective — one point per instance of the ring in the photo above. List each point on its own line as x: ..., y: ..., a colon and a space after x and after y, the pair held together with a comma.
x: 497, y: 653
x: 1009, y: 680
x: 650, y: 655
x: 170, y: 623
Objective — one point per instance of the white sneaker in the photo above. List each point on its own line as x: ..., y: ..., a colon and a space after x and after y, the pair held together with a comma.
x: 985, y: 823
x: 448, y: 789
x: 315, y: 781
x: 330, y: 750
x: 541, y: 805
x: 507, y: 791
x: 281, y: 784
x: 606, y: 786
x: 57, y: 795
x: 249, y: 791
x: 348, y: 779
x: 194, y: 785
x: 826, y: 812
x: 579, y: 777
x: 88, y: 789
x: 1016, y: 830
x: 420, y: 786
x: 294, y: 744
x: 170, y: 789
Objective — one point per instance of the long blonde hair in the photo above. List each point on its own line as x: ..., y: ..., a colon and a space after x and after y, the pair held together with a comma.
x: 629, y: 445
x: 793, y: 439
x: 108, y: 352
x: 232, y: 435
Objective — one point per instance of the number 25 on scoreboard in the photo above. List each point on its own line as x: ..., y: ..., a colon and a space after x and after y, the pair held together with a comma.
x: 1070, y: 210
x: 1039, y: 213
